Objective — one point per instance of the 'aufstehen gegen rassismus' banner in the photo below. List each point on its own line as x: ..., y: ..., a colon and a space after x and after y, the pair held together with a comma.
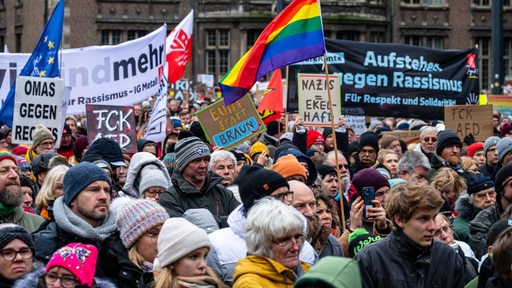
x: 394, y: 79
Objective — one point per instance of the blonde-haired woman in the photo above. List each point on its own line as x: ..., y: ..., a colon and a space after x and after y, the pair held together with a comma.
x: 450, y: 184
x: 50, y: 190
x: 387, y: 163
x: 182, y: 251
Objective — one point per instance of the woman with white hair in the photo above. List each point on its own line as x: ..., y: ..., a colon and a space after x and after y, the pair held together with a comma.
x: 274, y: 235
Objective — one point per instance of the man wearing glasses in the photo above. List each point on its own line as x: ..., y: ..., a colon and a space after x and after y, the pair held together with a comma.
x: 428, y: 141
x: 42, y: 141
x: 254, y: 183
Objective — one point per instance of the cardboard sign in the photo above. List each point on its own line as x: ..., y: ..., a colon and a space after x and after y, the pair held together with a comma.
x: 469, y: 119
x: 407, y: 136
x: 38, y: 101
x: 314, y: 100
x: 115, y: 122
x: 228, y: 126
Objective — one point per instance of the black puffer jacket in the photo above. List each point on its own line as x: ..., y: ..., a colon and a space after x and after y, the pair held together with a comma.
x: 212, y: 196
x: 396, y: 261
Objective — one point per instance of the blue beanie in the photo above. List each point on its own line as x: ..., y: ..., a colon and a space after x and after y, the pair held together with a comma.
x: 80, y: 176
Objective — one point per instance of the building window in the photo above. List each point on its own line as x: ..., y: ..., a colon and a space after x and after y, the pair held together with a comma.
x: 411, y: 1
x: 217, y: 52
x: 424, y: 2
x: 17, y: 46
x: 434, y: 42
x: 481, y: 2
x: 110, y: 37
x: 376, y: 37
x: 413, y: 40
x: 484, y: 60
x: 348, y: 35
x: 134, y: 34
x: 252, y: 36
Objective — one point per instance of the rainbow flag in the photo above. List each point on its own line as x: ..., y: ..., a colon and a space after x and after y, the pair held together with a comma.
x: 294, y: 35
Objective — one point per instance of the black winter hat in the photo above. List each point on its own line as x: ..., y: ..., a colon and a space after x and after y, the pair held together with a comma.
x: 42, y: 162
x: 9, y: 232
x: 445, y: 138
x: 479, y: 182
x: 105, y: 149
x: 324, y: 170
x: 369, y: 139
x: 503, y: 176
x: 255, y: 183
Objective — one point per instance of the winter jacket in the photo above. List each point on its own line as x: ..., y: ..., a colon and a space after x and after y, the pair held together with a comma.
x: 497, y: 282
x: 121, y: 270
x: 137, y: 163
x: 480, y: 225
x: 258, y: 271
x: 467, y: 212
x: 51, y: 237
x: 487, y: 170
x: 228, y: 246
x: 396, y: 261
x: 212, y: 196
x: 29, y: 221
x: 31, y: 280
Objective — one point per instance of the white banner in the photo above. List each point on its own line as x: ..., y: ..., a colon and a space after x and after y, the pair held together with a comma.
x: 38, y: 101
x: 158, y: 120
x: 121, y: 74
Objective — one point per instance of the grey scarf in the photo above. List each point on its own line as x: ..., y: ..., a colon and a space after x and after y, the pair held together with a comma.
x: 69, y: 221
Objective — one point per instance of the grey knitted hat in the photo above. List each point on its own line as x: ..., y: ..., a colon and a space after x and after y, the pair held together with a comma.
x: 189, y: 149
x: 177, y: 239
x: 503, y: 147
x: 489, y: 142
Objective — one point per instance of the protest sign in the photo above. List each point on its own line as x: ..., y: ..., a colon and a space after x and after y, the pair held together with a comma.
x: 115, y: 122
x: 408, y: 137
x: 38, y: 101
x: 314, y: 105
x: 470, y: 119
x: 121, y: 74
x: 395, y: 80
x: 227, y: 126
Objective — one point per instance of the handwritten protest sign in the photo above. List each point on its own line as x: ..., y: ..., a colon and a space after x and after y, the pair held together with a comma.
x: 38, y: 101
x: 115, y: 122
x: 314, y: 105
x: 469, y: 119
x: 228, y: 126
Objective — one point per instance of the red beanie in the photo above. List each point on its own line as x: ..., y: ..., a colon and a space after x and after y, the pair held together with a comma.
x: 79, y: 259
x: 475, y: 147
x: 313, y: 136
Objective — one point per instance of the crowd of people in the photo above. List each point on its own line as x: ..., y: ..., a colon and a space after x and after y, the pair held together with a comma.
x: 284, y: 209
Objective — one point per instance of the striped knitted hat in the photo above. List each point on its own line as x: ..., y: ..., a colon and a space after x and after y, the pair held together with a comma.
x: 189, y: 149
x: 137, y: 217
x: 6, y: 155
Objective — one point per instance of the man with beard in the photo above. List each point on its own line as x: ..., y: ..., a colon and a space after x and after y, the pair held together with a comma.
x: 448, y: 155
x: 319, y: 236
x: 346, y: 187
x: 82, y: 215
x: 11, y: 196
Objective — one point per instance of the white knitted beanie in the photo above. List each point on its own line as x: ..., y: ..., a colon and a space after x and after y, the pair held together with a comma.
x: 177, y: 239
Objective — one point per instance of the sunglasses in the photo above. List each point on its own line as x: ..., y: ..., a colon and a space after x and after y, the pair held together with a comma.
x: 428, y: 139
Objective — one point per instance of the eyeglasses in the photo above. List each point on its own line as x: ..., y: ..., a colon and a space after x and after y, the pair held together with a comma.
x: 281, y: 196
x: 152, y: 193
x: 10, y: 254
x: 65, y: 281
x: 47, y: 144
x: 6, y: 170
x: 346, y: 166
x: 429, y: 139
x: 287, y: 242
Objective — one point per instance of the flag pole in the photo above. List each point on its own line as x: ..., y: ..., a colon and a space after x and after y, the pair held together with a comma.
x: 340, y: 203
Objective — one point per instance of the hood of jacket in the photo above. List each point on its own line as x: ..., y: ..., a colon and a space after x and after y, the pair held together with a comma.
x: 237, y: 221
x: 466, y: 210
x: 265, y: 268
x: 137, y: 163
x: 31, y: 280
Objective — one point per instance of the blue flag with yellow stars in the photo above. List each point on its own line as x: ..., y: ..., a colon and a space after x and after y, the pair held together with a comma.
x: 43, y: 62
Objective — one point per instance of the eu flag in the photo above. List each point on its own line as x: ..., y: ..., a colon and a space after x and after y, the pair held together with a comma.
x: 44, y: 61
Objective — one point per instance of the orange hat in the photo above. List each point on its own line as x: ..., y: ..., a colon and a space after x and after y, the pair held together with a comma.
x: 288, y: 166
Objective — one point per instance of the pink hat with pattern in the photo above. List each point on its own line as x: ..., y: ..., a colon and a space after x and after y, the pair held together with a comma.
x: 80, y: 259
